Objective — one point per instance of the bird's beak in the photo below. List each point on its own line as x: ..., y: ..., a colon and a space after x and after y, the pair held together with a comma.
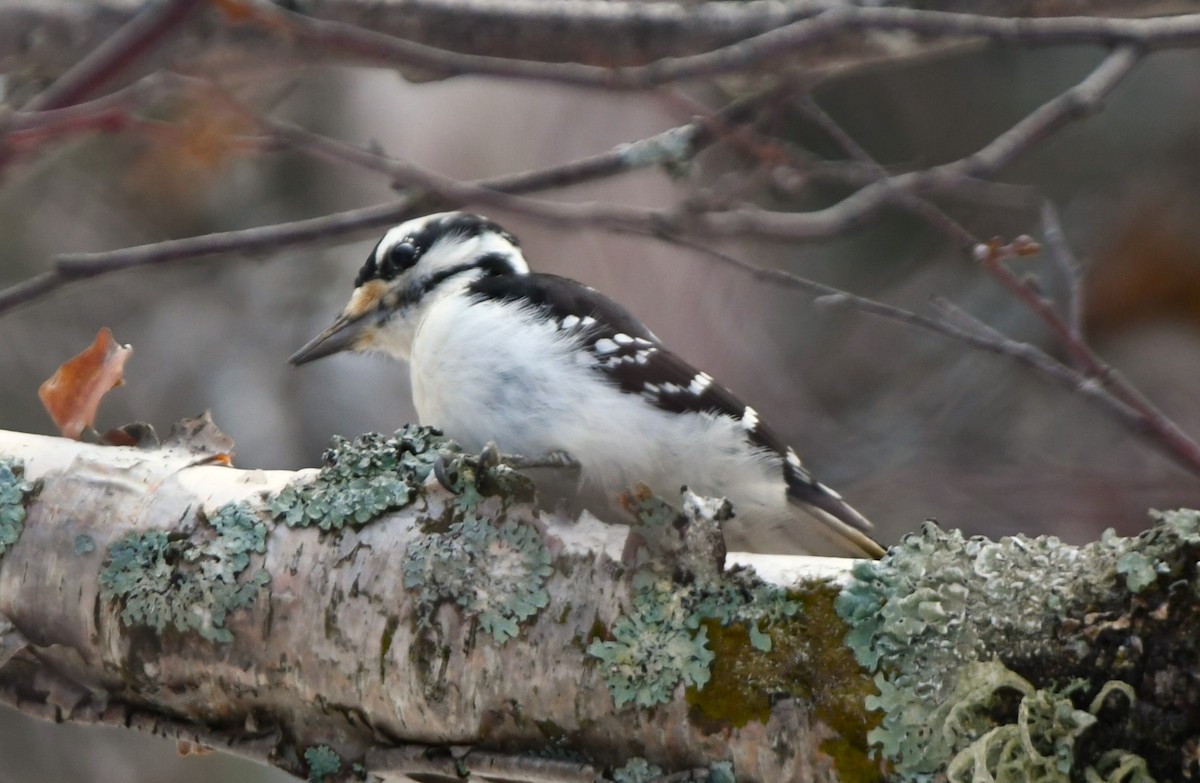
x: 340, y: 336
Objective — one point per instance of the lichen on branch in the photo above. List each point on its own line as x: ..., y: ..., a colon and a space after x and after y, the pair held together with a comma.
x: 15, y: 494
x: 189, y: 583
x: 992, y: 657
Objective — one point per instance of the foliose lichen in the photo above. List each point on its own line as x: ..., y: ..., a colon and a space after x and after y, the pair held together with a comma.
x: 84, y: 545
x: 15, y: 494
x: 662, y: 641
x: 495, y: 574
x: 187, y: 583
x: 323, y: 762
x: 636, y: 770
x: 1040, y: 744
x: 639, y: 770
x: 986, y: 655
x: 652, y: 649
x: 362, y: 479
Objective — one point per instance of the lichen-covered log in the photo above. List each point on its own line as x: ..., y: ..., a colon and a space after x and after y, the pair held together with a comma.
x: 1028, y: 659
x: 366, y: 620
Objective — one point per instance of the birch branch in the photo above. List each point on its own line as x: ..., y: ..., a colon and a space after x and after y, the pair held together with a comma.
x: 133, y: 594
x: 459, y: 634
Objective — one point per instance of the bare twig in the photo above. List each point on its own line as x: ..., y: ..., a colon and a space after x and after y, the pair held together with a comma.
x: 135, y: 39
x: 1103, y: 380
x: 1139, y: 416
x: 1068, y: 264
x: 674, y: 144
x: 821, y: 22
x: 499, y: 192
x: 926, y: 209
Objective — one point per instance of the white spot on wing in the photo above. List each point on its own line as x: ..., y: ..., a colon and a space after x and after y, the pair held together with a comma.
x: 570, y: 322
x: 699, y: 383
x: 749, y: 418
x: 793, y: 460
x: 622, y: 339
x: 604, y: 346
x: 587, y: 321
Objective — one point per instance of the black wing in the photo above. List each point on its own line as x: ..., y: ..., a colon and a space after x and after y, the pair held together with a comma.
x: 634, y: 359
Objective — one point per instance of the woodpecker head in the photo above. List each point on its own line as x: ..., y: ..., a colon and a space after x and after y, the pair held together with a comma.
x: 415, y: 264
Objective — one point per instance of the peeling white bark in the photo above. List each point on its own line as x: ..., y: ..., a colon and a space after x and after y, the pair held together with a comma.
x: 330, y: 652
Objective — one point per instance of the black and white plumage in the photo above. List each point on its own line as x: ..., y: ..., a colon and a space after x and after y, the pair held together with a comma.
x: 539, y: 363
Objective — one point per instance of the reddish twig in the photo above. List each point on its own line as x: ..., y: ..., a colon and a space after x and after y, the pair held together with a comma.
x: 1137, y: 415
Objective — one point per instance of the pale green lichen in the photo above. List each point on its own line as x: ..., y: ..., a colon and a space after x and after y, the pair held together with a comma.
x: 374, y: 474
x: 15, y: 494
x: 652, y: 649
x: 362, y: 479
x: 495, y: 574
x: 671, y: 149
x: 1040, y: 744
x: 187, y: 583
x: 662, y: 642
x: 1138, y: 570
x: 930, y: 619
x: 84, y: 545
x: 742, y: 598
x: 721, y: 772
x: 323, y: 762
x: 636, y: 770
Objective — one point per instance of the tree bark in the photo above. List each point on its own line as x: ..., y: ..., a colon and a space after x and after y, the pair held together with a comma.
x: 288, y: 618
x: 338, y: 642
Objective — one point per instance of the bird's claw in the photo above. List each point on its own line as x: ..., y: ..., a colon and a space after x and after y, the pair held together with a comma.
x: 443, y: 476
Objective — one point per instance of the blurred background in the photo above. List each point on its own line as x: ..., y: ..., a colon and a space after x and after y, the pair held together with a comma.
x: 905, y: 424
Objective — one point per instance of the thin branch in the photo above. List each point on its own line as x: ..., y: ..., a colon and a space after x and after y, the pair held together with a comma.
x: 926, y: 209
x: 814, y: 30
x: 147, y: 29
x: 1141, y: 418
x: 1068, y: 264
x: 499, y: 192
x: 675, y: 144
x: 1104, y: 380
x: 1076, y: 102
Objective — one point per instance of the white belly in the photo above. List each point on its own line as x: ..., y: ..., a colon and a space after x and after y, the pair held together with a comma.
x: 482, y: 377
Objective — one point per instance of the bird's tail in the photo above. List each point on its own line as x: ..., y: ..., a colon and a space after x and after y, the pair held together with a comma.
x: 841, y: 525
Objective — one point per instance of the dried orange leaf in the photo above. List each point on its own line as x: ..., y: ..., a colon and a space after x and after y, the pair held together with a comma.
x: 72, y: 395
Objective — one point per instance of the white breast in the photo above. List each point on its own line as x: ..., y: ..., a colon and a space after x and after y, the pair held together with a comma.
x: 484, y: 371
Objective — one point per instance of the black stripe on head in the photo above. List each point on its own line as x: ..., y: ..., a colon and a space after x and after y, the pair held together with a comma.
x: 491, y: 264
x: 403, y: 255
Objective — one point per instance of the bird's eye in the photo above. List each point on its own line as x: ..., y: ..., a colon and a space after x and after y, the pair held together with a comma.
x: 402, y: 256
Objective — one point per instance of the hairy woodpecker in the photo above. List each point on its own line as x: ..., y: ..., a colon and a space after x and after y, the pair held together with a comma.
x: 539, y: 363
